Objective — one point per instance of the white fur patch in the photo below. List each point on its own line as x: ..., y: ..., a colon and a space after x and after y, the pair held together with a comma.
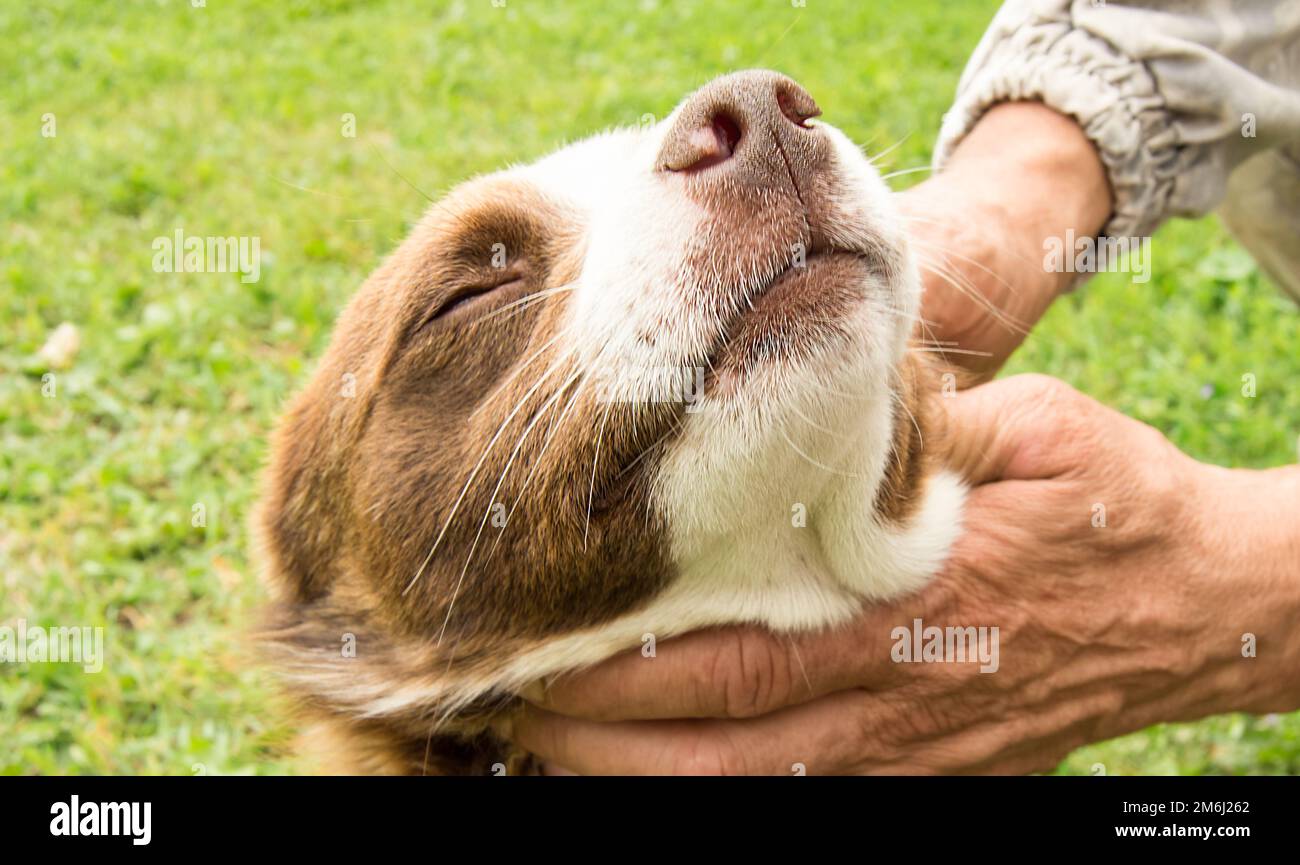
x: 815, y: 438
x: 769, y: 493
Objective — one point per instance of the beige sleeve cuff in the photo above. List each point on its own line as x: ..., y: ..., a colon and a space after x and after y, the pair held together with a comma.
x: 1112, y: 97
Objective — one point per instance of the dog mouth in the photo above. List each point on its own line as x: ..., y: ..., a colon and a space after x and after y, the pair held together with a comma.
x: 791, y: 316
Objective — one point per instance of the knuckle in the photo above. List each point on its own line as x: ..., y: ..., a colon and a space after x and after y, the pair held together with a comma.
x: 751, y: 676
x: 1038, y: 385
x: 1077, y: 420
x: 1156, y: 445
x: 707, y: 754
x: 1051, y: 394
x: 1047, y: 400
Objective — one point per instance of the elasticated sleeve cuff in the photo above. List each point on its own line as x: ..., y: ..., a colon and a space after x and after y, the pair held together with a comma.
x: 1113, y: 97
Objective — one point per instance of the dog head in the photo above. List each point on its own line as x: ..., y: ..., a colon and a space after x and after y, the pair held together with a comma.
x: 654, y: 381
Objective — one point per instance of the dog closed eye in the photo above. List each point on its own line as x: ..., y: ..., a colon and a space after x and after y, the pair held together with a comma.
x: 499, y: 285
x: 471, y: 294
x: 620, y: 386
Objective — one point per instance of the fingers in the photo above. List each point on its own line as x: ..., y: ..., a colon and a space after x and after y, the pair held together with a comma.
x: 1001, y: 431
x: 821, y: 737
x: 1011, y: 429
x: 746, y: 672
x: 722, y: 673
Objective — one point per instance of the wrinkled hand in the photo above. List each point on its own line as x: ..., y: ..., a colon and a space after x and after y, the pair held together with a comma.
x: 1023, y: 174
x: 1120, y: 574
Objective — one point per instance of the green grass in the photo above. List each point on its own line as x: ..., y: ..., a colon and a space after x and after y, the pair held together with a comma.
x: 226, y: 120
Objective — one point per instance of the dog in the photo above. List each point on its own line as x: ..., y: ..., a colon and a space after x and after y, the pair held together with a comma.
x: 657, y: 381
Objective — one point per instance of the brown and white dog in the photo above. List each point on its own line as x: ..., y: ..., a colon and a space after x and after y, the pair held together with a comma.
x: 483, y: 486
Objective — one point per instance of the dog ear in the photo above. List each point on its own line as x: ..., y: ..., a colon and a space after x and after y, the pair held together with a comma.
x: 301, y: 520
x: 297, y: 522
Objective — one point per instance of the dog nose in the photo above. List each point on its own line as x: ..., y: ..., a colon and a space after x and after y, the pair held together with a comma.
x: 751, y: 117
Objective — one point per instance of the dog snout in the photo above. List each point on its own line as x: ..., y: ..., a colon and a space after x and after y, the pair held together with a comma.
x: 754, y: 123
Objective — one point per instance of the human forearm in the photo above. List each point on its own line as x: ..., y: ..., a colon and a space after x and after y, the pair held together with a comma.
x: 1174, y: 94
x: 1255, y: 598
x: 1024, y: 173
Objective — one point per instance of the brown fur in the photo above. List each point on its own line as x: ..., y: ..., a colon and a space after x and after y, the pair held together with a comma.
x: 390, y: 577
x: 362, y: 481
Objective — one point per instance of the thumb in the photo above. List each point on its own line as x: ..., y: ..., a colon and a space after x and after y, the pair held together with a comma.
x: 1005, y: 430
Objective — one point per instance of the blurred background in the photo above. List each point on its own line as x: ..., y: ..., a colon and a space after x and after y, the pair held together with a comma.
x: 125, y: 494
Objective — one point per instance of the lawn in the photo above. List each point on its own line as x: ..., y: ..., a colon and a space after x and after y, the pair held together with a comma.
x: 229, y: 119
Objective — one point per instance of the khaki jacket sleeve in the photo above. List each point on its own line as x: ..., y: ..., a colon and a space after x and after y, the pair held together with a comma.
x: 1191, y: 104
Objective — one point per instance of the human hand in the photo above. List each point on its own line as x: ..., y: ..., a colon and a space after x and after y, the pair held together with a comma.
x: 1121, y: 576
x: 1023, y: 174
